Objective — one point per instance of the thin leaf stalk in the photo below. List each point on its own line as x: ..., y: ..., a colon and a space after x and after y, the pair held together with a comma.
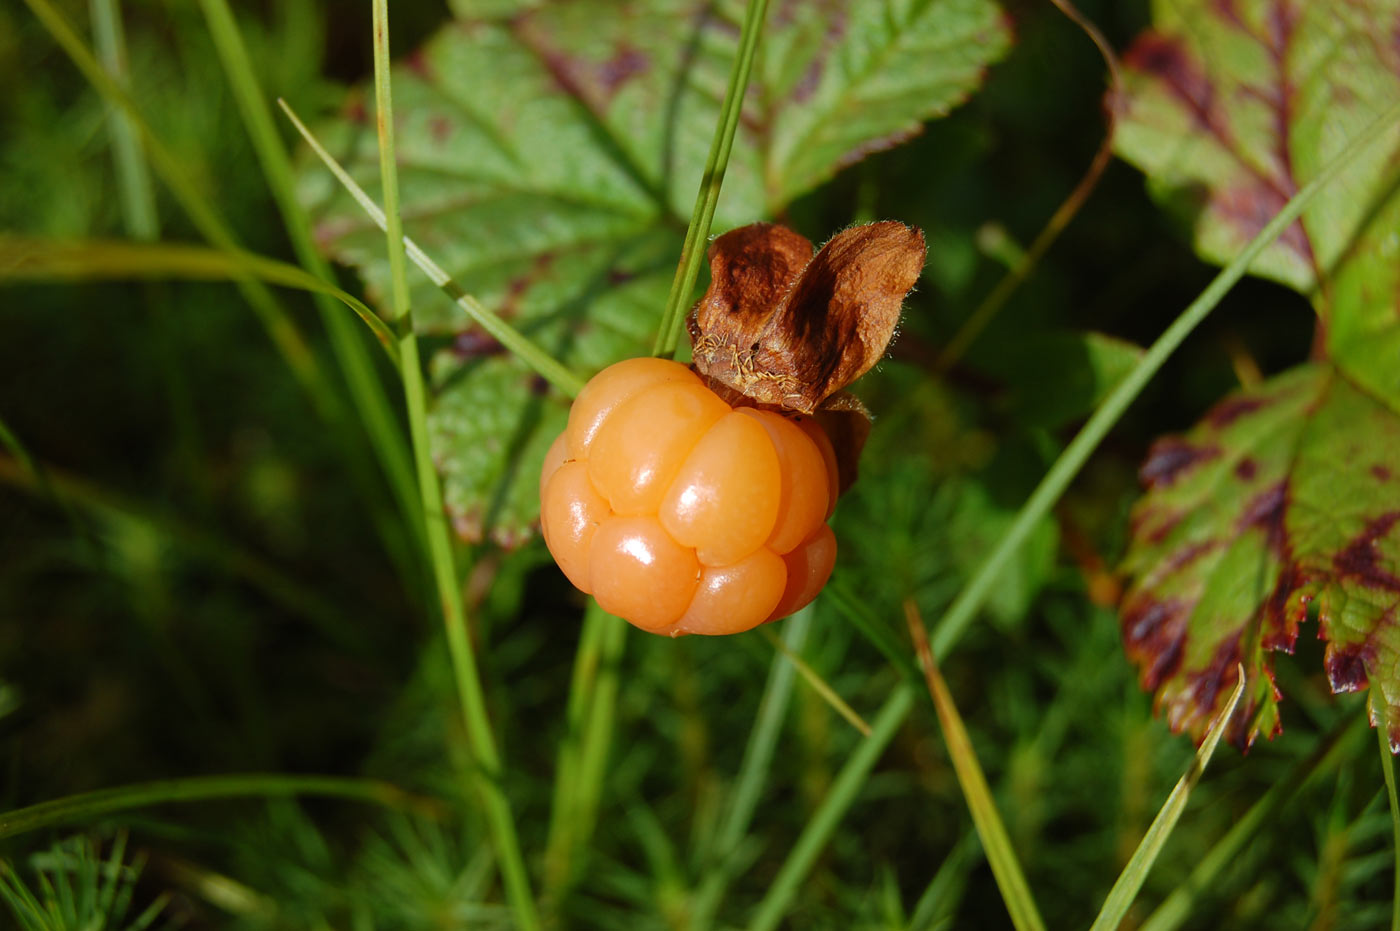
x: 754, y: 769
x: 499, y: 818
x: 1379, y: 705
x: 1331, y: 750
x: 838, y: 800
x: 969, y: 601
x: 544, y: 364
x: 89, y: 805
x: 370, y: 399
x: 1129, y: 883
x: 668, y: 334
x: 1026, y: 262
x: 991, y: 830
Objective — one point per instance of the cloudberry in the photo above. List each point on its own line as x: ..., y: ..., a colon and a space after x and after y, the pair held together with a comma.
x: 684, y: 514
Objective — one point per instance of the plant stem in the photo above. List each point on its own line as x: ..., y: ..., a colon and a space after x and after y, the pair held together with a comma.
x: 545, y: 365
x: 1129, y: 883
x: 1027, y: 261
x: 1001, y: 855
x: 753, y: 772
x: 370, y: 399
x: 201, y: 788
x: 964, y: 608
x: 1388, y: 770
x: 668, y: 334
x: 838, y: 800
x: 499, y: 819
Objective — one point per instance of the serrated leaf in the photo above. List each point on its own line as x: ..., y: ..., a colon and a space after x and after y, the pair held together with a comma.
x: 1233, y: 105
x: 1283, y: 500
x: 548, y: 154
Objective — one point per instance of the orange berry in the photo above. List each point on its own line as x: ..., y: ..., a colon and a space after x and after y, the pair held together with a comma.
x: 804, y: 492
x: 808, y: 568
x: 610, y: 388
x: 641, y: 445
x: 570, y: 512
x: 682, y: 514
x: 725, y: 498
x: 638, y: 572
x: 814, y: 430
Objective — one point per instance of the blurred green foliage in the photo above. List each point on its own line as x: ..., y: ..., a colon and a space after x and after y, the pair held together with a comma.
x: 199, y: 588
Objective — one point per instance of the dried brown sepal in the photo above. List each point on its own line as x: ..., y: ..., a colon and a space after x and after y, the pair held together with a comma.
x: 847, y: 424
x: 790, y: 332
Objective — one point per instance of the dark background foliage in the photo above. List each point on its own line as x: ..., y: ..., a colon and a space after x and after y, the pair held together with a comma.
x: 135, y: 643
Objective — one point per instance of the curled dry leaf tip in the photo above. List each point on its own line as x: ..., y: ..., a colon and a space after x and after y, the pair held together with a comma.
x: 788, y: 329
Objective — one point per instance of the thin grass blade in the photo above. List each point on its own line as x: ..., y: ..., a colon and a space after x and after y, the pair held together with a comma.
x: 500, y: 820
x: 818, y: 684
x: 545, y: 365
x: 24, y: 258
x: 370, y: 400
x: 1332, y: 750
x: 839, y: 798
x: 1125, y: 889
x: 965, y: 607
x: 753, y: 769
x: 996, y: 842
x: 89, y: 805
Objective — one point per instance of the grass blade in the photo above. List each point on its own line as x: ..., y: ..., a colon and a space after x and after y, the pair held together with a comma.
x: 818, y: 684
x: 1125, y: 889
x: 138, y: 200
x: 753, y: 770
x: 838, y: 800
x: 89, y: 805
x: 964, y: 608
x: 545, y: 365
x: 1388, y: 770
x: 996, y: 843
x: 366, y: 390
x: 1025, y: 262
x: 26, y: 259
x: 1174, y: 911
x: 668, y: 334
x: 500, y: 821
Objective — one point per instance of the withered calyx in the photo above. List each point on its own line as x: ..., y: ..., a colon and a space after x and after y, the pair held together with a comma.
x: 790, y: 330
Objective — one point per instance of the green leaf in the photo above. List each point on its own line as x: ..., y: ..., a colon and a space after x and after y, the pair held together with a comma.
x: 1284, y: 500
x: 1231, y: 107
x: 547, y: 161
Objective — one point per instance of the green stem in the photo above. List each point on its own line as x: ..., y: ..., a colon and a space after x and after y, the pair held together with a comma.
x: 964, y: 608
x: 1174, y: 911
x: 753, y: 771
x: 1129, y: 883
x: 1388, y: 770
x: 138, y: 202
x: 202, y: 788
x: 508, y: 336
x: 991, y: 830
x: 366, y: 390
x: 818, y: 684
x: 668, y: 334
x: 838, y: 800
x: 27, y: 259
x: 499, y: 819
